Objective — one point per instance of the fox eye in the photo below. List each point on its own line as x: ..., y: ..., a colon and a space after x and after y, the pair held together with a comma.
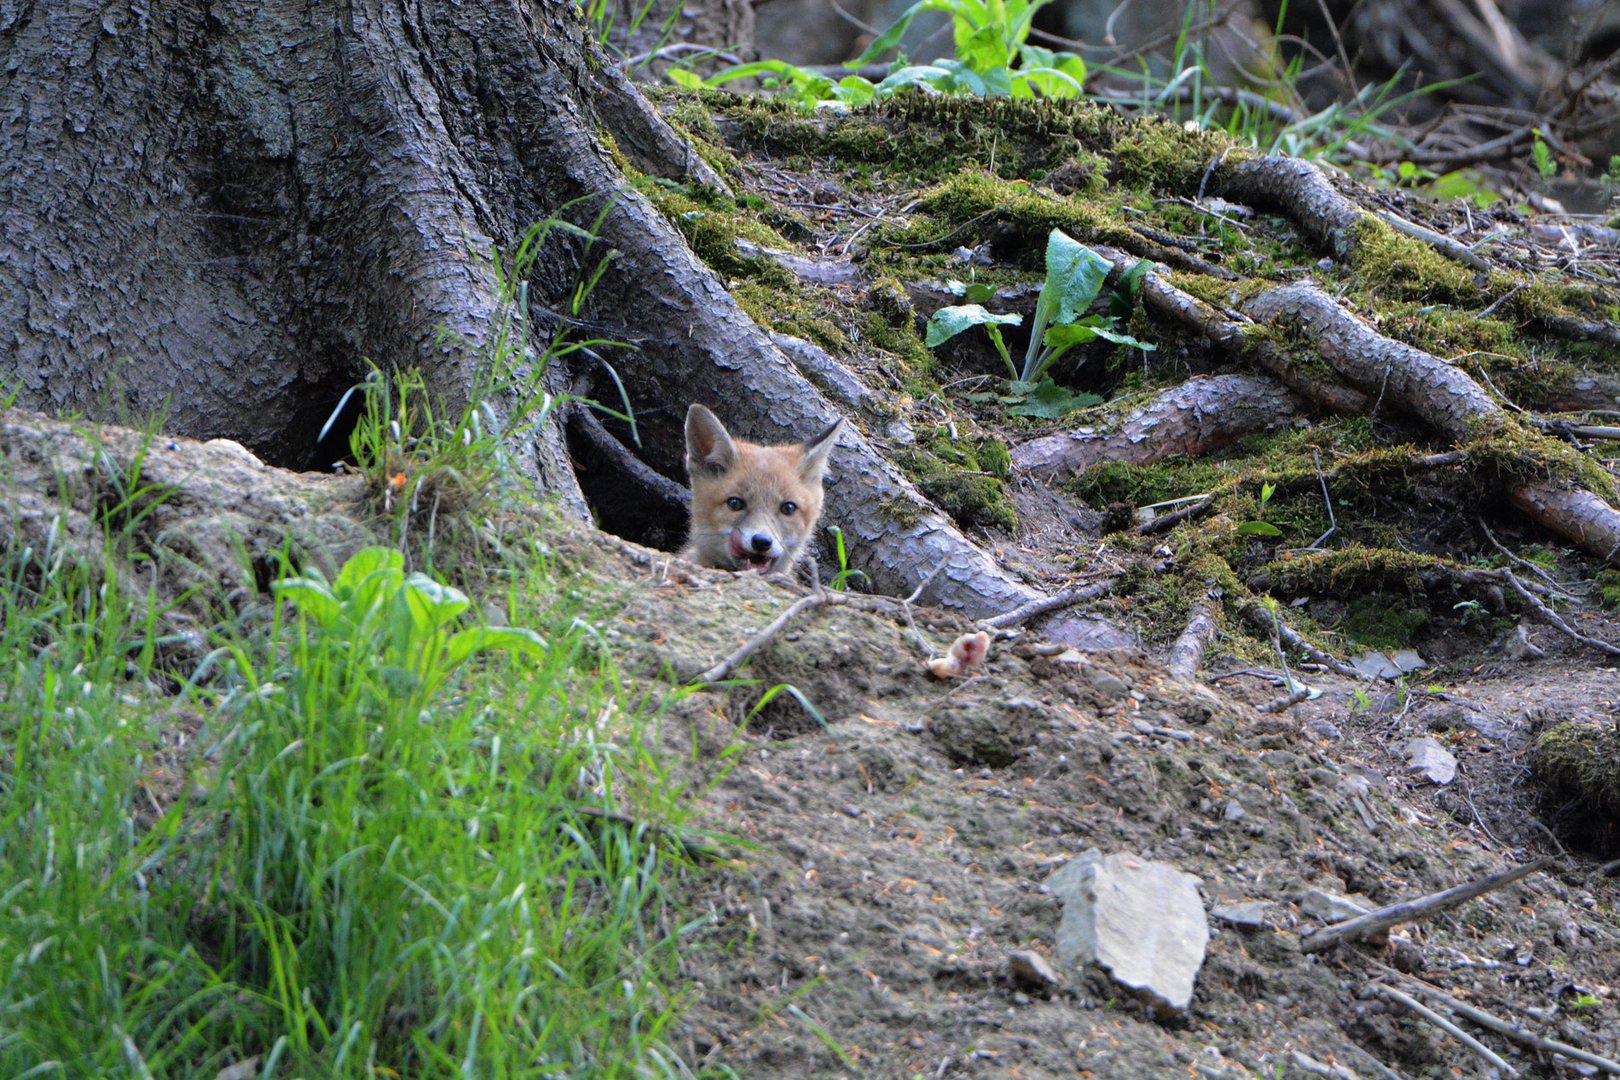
x: 790, y: 507
x: 734, y: 503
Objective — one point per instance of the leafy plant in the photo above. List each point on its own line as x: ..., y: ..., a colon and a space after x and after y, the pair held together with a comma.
x: 1074, y: 279
x: 993, y: 57
x: 406, y: 620
x: 1261, y: 527
x: 1545, y: 165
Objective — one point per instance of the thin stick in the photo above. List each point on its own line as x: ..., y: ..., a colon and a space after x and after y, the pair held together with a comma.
x: 1067, y: 598
x: 1485, y: 1019
x: 1263, y: 617
x: 724, y: 668
x: 1412, y: 910
x: 1166, y: 522
x: 1546, y: 614
x: 1485, y: 1052
x: 1288, y: 702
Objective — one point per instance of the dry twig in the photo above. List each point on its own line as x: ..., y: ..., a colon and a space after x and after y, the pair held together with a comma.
x: 1412, y: 910
x: 1486, y: 1053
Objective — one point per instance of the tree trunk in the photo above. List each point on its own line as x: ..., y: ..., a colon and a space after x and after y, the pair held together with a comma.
x: 219, y: 212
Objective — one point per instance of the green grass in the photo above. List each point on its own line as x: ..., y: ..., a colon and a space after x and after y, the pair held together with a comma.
x: 381, y: 866
x: 377, y: 829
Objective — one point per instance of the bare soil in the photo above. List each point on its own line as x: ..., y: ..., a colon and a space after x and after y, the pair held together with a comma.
x: 889, y: 862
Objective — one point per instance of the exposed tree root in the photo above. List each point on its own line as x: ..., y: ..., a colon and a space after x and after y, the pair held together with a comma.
x: 1263, y: 618
x: 1195, y: 417
x: 1438, y: 393
x: 1187, y: 654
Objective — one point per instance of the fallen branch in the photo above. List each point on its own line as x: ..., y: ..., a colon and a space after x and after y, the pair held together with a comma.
x: 1375, y: 922
x: 1517, y: 1034
x: 723, y: 670
x: 1485, y: 1053
x: 1068, y: 598
x: 1538, y: 609
x: 1188, y: 652
x: 1269, y: 621
x: 1166, y: 522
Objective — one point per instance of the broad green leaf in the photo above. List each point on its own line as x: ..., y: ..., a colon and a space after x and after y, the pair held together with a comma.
x: 1068, y: 335
x: 1258, y: 528
x: 933, y: 78
x: 1123, y: 297
x: 368, y: 561
x: 1122, y: 339
x: 1074, y: 274
x: 1045, y: 399
x: 856, y: 90
x: 431, y: 601
x: 781, y: 69
x: 984, y: 51
x: 310, y: 596
x: 1050, y: 82
x: 891, y: 37
x: 486, y: 638
x: 689, y: 80
x: 978, y: 293
x: 947, y: 322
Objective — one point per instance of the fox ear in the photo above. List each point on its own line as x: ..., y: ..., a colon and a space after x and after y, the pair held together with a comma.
x: 813, y: 463
x: 709, y: 449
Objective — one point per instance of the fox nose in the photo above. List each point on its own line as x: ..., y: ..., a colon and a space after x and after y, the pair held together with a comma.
x: 760, y: 543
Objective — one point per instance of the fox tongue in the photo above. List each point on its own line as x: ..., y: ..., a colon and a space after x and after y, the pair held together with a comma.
x: 754, y: 559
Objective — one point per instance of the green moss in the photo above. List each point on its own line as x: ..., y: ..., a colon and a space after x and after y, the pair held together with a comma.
x: 1382, y: 621
x: 964, y: 476
x: 1385, y: 261
x: 1608, y: 582
x: 1581, y: 761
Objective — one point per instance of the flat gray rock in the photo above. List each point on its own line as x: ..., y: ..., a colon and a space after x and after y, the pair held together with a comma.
x: 1429, y: 759
x: 1250, y: 914
x: 1141, y: 921
x: 1329, y: 907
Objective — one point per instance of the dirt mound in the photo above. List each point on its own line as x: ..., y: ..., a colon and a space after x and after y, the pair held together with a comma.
x: 895, y: 853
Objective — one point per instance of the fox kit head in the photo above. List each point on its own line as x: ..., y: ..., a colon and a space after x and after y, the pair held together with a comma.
x: 752, y: 506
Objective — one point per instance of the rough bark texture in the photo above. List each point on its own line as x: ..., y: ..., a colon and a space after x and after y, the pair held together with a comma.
x: 1196, y: 417
x: 1297, y: 188
x: 1444, y: 397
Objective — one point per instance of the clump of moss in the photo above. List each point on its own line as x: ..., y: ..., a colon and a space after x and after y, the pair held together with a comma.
x: 1608, y: 582
x: 965, y: 477
x: 1581, y: 761
x: 1388, y: 262
x: 1382, y: 621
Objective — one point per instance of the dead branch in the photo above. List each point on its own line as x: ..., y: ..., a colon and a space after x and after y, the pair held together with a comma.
x: 1485, y: 1053
x: 1166, y: 522
x: 1375, y: 922
x: 1188, y: 652
x: 1066, y: 598
x: 1269, y: 621
x: 1517, y: 1034
x: 724, y: 669
x: 1538, y: 609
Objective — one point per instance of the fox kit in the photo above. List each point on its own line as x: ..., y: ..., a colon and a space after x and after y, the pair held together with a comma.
x: 752, y: 506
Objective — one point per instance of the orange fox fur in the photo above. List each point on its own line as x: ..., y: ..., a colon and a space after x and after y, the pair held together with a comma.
x: 753, y: 507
